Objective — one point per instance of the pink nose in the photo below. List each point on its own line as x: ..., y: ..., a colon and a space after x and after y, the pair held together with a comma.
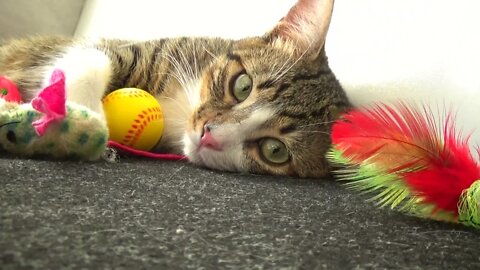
x: 208, y: 140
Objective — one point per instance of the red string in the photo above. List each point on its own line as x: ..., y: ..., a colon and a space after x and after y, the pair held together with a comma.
x: 147, y: 154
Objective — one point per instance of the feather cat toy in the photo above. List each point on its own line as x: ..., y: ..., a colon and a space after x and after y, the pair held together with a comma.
x: 51, y: 127
x: 409, y: 162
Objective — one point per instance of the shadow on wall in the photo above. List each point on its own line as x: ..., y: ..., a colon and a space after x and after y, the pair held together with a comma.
x: 439, y: 94
x: 20, y: 18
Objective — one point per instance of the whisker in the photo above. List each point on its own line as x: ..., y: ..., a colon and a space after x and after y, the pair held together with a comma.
x: 276, y: 75
x: 174, y: 76
x: 175, y: 172
x: 175, y: 121
x: 317, y: 124
x: 181, y: 75
x: 195, y: 64
x: 314, y: 131
x: 128, y: 44
x: 178, y: 75
x: 210, y: 53
x: 294, y: 63
x: 181, y: 106
x: 280, y: 70
x: 186, y: 64
x: 190, y: 76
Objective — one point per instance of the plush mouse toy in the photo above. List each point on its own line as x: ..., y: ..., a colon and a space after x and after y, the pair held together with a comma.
x: 49, y: 126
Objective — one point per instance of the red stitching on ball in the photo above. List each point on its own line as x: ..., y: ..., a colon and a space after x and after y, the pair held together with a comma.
x: 136, y: 130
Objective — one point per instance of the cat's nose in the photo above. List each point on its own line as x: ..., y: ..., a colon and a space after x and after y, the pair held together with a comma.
x: 208, y: 140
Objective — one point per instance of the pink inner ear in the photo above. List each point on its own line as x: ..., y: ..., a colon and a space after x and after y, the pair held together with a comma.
x: 299, y: 12
x: 51, y: 101
x: 306, y: 24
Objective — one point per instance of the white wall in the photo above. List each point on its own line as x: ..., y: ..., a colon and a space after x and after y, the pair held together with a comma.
x: 146, y: 19
x: 422, y: 50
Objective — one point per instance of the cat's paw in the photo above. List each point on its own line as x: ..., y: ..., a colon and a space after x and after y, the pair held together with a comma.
x: 88, y: 72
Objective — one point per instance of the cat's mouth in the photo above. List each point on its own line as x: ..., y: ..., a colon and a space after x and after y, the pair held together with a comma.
x: 209, y: 142
x: 204, y: 141
x: 211, y: 153
x: 202, y: 147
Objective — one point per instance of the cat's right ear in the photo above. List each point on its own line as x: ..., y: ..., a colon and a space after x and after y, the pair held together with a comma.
x: 305, y: 26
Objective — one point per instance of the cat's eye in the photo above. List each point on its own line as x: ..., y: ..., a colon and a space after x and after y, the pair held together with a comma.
x: 242, y: 87
x: 273, y: 150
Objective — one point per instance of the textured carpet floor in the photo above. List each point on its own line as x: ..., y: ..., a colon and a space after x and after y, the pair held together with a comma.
x: 143, y: 214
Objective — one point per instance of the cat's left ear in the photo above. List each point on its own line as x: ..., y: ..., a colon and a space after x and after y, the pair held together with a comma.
x: 306, y: 26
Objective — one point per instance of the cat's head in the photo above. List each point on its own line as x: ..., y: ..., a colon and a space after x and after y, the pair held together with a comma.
x: 267, y: 106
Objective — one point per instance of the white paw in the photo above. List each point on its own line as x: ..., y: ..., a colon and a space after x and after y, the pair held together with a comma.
x: 87, y: 73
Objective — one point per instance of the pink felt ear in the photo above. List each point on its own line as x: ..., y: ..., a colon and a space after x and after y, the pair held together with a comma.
x: 50, y: 101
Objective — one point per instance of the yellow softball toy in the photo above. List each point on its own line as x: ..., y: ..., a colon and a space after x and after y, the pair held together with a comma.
x: 134, y: 118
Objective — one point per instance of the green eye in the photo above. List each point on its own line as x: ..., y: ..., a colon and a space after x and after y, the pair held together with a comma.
x: 273, y: 151
x: 242, y: 87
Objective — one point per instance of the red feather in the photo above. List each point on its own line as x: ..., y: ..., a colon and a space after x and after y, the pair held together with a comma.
x: 437, y: 166
x: 394, y: 138
x: 448, y: 173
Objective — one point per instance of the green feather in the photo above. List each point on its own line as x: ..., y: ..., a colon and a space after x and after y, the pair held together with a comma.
x: 387, y: 189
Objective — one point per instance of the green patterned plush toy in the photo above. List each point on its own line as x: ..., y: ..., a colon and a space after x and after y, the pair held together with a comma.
x: 51, y: 127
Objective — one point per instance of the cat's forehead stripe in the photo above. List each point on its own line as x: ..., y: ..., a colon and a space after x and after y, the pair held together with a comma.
x: 304, y: 114
x: 279, y: 91
x: 234, y: 57
x: 306, y: 77
x: 266, y: 84
x: 288, y: 129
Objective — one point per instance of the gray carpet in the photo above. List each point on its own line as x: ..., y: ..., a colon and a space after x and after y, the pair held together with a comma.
x: 144, y: 214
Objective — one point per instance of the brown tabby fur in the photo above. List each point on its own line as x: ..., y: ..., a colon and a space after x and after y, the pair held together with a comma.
x: 298, y: 83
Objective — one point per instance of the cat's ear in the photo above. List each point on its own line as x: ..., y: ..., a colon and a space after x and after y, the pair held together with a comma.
x: 305, y: 25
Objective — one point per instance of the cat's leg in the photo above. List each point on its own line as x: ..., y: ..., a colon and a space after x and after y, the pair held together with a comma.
x: 87, y: 73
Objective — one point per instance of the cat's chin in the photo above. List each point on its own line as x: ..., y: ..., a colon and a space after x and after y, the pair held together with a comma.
x: 219, y: 160
x: 228, y: 159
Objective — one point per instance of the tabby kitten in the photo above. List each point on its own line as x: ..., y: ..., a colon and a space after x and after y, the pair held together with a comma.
x: 259, y: 105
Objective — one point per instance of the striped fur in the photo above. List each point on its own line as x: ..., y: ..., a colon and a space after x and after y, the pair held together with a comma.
x: 295, y: 95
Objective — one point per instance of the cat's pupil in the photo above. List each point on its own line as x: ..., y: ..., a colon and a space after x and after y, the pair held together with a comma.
x: 242, y: 87
x: 274, y: 151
